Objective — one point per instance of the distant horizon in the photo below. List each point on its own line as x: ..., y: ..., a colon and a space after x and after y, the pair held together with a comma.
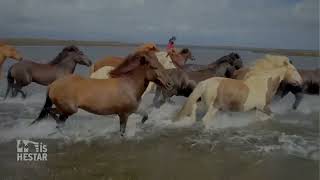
x: 48, y: 39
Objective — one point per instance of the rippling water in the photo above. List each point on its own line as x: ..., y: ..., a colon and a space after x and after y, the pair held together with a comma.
x: 236, y: 147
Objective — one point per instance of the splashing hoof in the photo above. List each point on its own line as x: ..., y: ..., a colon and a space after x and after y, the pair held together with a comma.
x: 144, y: 119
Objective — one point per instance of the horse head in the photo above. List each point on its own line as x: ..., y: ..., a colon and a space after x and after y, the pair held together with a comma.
x: 186, y: 53
x: 147, y: 61
x: 236, y: 60
x: 72, y: 53
x: 10, y: 52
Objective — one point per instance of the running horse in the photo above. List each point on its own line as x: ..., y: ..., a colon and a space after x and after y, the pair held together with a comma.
x: 23, y: 73
x: 233, y: 58
x: 185, y: 82
x: 255, y: 91
x: 7, y: 51
x: 120, y: 94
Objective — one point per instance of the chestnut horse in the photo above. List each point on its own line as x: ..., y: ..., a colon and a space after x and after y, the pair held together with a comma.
x: 120, y: 94
x: 23, y: 73
x: 7, y: 51
x: 253, y: 92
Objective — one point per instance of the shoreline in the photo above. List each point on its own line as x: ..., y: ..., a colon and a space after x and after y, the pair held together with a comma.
x: 51, y: 42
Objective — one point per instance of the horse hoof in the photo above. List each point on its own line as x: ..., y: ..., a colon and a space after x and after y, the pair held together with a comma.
x: 144, y: 119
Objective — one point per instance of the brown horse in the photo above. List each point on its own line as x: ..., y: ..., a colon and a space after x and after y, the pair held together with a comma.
x: 23, y: 73
x: 7, y: 51
x: 185, y: 82
x: 180, y: 59
x: 115, y: 61
x: 120, y: 94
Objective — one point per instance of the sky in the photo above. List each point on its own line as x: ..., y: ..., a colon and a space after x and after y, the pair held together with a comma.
x: 290, y: 24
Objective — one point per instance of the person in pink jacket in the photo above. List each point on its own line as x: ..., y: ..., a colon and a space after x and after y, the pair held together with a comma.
x: 171, y: 43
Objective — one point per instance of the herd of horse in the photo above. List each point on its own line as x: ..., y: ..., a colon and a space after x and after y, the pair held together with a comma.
x: 116, y: 85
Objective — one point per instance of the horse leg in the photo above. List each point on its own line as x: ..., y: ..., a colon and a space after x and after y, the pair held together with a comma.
x: 211, y: 111
x: 266, y: 111
x: 17, y: 88
x: 144, y: 115
x: 22, y: 93
x: 61, y: 120
x: 156, y: 97
x: 123, y: 123
x: 299, y: 97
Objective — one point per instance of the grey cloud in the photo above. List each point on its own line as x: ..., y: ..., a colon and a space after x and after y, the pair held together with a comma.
x: 263, y: 23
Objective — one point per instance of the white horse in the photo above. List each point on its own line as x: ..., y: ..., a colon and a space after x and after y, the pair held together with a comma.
x: 255, y: 91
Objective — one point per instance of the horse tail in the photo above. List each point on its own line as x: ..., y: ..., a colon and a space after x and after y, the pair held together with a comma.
x: 10, y: 83
x: 188, y: 106
x: 45, y: 110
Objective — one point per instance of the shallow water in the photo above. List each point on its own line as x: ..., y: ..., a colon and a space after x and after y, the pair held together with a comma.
x: 236, y: 147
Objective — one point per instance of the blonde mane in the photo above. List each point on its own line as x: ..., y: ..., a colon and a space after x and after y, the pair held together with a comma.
x: 267, y: 64
x: 271, y: 62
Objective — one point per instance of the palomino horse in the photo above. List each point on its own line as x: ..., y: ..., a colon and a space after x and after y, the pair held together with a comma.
x: 254, y: 92
x: 115, y: 61
x: 233, y: 58
x: 120, y: 94
x: 184, y: 82
x: 23, y: 73
x: 311, y: 84
x: 7, y: 51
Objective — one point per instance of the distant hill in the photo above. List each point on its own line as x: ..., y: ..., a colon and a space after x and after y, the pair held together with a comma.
x: 53, y: 42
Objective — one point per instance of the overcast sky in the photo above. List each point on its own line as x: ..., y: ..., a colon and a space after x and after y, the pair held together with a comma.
x: 257, y: 23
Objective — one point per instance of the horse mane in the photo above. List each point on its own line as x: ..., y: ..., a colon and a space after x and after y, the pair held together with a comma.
x: 271, y: 62
x: 126, y: 66
x: 63, y: 54
x: 227, y: 59
x: 147, y: 47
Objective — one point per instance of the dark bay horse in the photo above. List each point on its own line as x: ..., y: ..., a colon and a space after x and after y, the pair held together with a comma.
x: 184, y: 82
x: 233, y: 58
x: 120, y: 94
x: 311, y: 86
x: 7, y: 51
x: 23, y: 73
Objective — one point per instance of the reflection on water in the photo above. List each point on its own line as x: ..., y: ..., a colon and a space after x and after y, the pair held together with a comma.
x: 236, y: 147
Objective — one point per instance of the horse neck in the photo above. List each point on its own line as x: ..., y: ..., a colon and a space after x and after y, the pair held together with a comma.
x: 67, y: 64
x: 138, y: 81
x: 270, y: 79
